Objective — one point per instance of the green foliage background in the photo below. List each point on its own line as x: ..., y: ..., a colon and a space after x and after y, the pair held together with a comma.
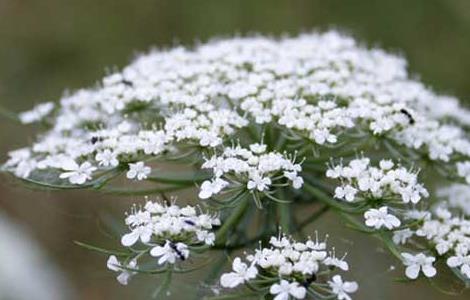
x: 50, y: 45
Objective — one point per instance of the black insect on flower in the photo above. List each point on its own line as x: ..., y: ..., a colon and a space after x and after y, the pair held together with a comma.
x: 178, y: 252
x: 127, y: 82
x: 408, y: 115
x: 96, y: 139
x: 309, y: 280
x: 189, y: 222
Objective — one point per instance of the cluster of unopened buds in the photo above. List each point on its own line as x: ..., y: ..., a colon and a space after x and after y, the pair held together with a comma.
x: 288, y: 269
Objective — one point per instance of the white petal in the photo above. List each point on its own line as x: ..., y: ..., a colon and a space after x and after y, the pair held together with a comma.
x: 158, y: 251
x: 412, y: 271
x: 298, y: 292
x: 129, y: 239
x: 231, y: 280
x: 429, y: 271
x: 123, y: 278
x: 113, y: 264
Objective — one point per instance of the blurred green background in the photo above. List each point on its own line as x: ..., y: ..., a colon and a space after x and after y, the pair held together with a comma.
x: 49, y: 46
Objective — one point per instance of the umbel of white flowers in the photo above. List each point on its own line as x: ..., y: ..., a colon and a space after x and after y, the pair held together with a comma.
x: 292, y: 269
x: 315, y: 119
x: 325, y: 87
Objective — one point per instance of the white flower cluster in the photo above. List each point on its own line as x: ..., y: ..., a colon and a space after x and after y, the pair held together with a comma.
x: 362, y: 182
x: 456, y: 196
x: 447, y: 234
x: 167, y: 230
x: 316, y: 87
x: 253, y: 168
x: 295, y: 268
x: 158, y: 222
x: 37, y: 113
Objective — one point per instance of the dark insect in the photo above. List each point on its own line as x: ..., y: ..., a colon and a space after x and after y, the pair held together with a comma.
x: 178, y: 252
x: 309, y: 280
x: 127, y: 82
x: 96, y: 139
x: 408, y: 115
x: 189, y: 222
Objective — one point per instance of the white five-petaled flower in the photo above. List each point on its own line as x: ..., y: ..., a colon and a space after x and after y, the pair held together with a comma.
x: 114, y: 265
x: 297, y: 181
x: 347, y: 192
x: 144, y: 233
x: 284, y: 289
x: 258, y: 182
x: 77, y: 174
x: 462, y: 261
x: 138, y: 171
x: 170, y: 252
x: 416, y: 263
x: 378, y: 218
x: 336, y: 262
x: 342, y: 288
x: 107, y: 158
x: 209, y: 188
x: 241, y: 273
x: 401, y: 236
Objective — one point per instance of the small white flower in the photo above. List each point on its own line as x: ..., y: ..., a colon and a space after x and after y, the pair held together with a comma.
x: 402, y: 236
x: 386, y: 164
x: 138, y: 171
x: 347, y: 192
x: 207, y: 237
x: 259, y: 183
x: 107, y: 158
x: 170, y: 252
x: 37, y: 113
x: 462, y: 261
x: 77, y: 174
x: 416, y: 263
x: 378, y: 218
x: 114, y: 265
x: 297, y: 181
x: 337, y: 262
x: 143, y: 233
x: 258, y: 148
x: 342, y: 289
x: 284, y: 289
x: 241, y: 273
x: 209, y: 188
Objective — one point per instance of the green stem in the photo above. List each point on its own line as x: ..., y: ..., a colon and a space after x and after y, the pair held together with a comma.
x: 161, y: 290
x: 390, y: 245
x: 9, y: 115
x: 284, y: 217
x: 231, y: 221
x: 143, y: 192
x: 179, y: 179
x: 326, y: 199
